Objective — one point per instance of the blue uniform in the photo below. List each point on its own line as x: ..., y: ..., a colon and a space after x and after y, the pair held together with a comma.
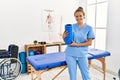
x: 77, y: 55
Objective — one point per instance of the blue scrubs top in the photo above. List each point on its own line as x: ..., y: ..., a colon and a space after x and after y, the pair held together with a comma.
x: 80, y: 35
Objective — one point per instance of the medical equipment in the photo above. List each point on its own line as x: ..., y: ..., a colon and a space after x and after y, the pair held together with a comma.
x: 45, y: 62
x: 10, y: 68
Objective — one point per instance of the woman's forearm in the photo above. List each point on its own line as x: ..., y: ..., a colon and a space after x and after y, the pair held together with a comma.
x: 84, y: 44
x: 88, y: 43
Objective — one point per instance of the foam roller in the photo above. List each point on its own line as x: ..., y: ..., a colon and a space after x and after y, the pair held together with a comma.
x: 68, y: 39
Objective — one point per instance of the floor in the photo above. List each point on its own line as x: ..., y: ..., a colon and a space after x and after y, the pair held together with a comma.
x: 94, y: 74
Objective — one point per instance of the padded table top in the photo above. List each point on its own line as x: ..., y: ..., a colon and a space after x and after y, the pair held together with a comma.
x: 51, y: 60
x: 96, y: 53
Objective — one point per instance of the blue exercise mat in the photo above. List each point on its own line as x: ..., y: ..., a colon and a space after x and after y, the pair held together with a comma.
x: 22, y: 57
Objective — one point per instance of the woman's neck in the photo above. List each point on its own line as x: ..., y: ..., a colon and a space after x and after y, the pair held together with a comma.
x: 80, y: 24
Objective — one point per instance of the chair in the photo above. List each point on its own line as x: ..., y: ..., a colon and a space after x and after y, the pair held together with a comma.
x: 4, y: 53
x: 11, y: 53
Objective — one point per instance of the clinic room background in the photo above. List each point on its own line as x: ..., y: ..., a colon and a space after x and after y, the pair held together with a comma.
x: 21, y: 22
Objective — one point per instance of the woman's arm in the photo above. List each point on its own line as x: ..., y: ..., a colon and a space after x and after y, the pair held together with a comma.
x: 88, y: 43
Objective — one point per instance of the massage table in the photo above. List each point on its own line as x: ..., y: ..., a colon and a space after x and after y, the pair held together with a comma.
x: 45, y: 62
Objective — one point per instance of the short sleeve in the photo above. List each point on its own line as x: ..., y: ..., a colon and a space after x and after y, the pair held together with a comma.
x: 91, y: 33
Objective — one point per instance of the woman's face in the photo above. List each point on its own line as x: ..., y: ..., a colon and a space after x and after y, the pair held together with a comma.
x: 79, y: 17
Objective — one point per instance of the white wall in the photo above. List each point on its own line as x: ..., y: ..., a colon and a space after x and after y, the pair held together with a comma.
x: 113, y: 35
x: 20, y: 20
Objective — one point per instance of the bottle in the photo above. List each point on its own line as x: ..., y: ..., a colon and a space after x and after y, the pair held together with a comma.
x: 119, y: 74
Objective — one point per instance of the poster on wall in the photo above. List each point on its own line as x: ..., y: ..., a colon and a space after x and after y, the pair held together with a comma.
x: 51, y: 25
x: 48, y: 20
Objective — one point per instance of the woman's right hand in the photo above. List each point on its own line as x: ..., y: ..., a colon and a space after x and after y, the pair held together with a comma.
x: 64, y: 34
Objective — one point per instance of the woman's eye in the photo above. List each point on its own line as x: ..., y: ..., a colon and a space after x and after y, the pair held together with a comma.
x: 80, y: 15
x: 76, y: 16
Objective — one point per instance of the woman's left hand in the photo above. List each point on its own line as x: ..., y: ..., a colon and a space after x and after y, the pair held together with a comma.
x: 73, y: 44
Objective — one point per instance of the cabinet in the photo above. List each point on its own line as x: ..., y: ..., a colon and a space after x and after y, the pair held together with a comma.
x: 40, y: 47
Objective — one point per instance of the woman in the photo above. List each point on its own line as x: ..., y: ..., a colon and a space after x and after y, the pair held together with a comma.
x: 77, y: 50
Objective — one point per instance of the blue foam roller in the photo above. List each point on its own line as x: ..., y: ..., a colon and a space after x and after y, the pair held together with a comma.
x: 69, y: 38
x: 22, y: 57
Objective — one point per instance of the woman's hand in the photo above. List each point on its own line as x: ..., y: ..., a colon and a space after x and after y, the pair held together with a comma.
x: 87, y: 43
x: 73, y: 44
x: 64, y: 35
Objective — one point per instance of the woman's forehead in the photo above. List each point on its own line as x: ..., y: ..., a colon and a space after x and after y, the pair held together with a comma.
x: 79, y: 13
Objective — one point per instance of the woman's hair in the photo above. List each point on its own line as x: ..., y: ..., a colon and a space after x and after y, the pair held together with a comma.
x: 80, y: 9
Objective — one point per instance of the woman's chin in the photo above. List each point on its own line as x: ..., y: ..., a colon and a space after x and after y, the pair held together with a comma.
x: 79, y: 21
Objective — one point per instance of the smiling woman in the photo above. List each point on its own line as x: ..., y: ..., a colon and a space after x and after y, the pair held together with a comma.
x: 76, y: 51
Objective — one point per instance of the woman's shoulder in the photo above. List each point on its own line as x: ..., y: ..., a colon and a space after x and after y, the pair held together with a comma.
x: 74, y: 24
x: 88, y: 26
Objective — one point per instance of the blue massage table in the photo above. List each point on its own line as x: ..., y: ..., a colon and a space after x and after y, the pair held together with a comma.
x: 45, y: 62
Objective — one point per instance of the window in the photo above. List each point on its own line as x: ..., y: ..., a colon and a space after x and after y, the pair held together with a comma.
x: 97, y: 18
